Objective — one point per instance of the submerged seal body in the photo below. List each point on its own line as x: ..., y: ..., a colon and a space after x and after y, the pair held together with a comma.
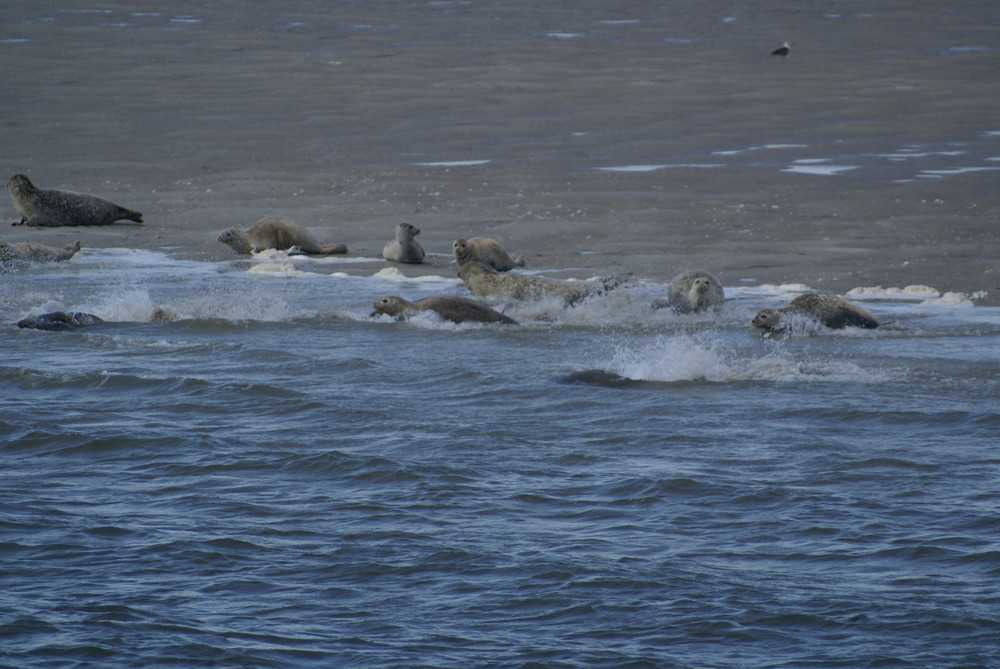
x: 831, y: 310
x: 59, y: 207
x: 277, y: 232
x: 36, y: 252
x: 691, y: 292
x: 482, y: 280
x: 487, y: 251
x: 405, y: 247
x: 60, y: 320
x: 454, y: 309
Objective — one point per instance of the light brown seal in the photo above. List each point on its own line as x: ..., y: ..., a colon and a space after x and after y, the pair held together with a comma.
x: 831, y: 310
x: 454, y: 309
x: 60, y: 320
x: 59, y: 207
x: 405, y: 247
x: 36, y: 252
x: 487, y: 251
x: 277, y: 232
x: 691, y: 292
x: 482, y: 280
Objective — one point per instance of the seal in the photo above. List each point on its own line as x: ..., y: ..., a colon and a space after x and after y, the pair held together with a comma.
x: 277, y: 232
x: 482, y: 280
x: 36, y: 252
x: 831, y: 310
x: 60, y: 207
x: 691, y: 292
x: 487, y: 251
x: 405, y: 247
x: 454, y: 309
x: 60, y: 320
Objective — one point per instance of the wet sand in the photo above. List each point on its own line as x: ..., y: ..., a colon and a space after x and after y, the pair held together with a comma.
x: 590, y: 138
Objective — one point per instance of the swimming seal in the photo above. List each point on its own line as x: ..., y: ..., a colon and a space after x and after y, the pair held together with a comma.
x: 482, y: 280
x: 691, y: 292
x: 36, y: 252
x: 60, y: 320
x: 277, y: 232
x: 831, y: 310
x: 454, y: 309
x: 404, y: 248
x: 487, y: 251
x: 59, y: 207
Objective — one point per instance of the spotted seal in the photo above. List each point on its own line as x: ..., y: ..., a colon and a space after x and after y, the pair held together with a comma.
x: 454, y: 309
x: 831, y: 310
x: 60, y: 320
x: 405, y: 247
x: 487, y: 251
x: 36, y: 252
x: 277, y: 232
x: 59, y: 207
x: 691, y: 292
x: 482, y: 280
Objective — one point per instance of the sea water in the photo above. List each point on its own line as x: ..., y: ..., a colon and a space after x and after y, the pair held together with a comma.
x: 276, y: 478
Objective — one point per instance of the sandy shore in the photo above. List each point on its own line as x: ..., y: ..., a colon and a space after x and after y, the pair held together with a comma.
x: 585, y: 139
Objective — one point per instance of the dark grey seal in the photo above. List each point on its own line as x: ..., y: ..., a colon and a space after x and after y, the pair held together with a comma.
x: 59, y: 207
x: 454, y: 309
x: 60, y: 320
x: 831, y: 310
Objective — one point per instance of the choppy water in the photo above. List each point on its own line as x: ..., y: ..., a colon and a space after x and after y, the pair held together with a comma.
x: 275, y: 479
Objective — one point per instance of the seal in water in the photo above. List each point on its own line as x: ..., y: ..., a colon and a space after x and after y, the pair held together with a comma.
x: 482, y: 280
x: 691, y: 292
x: 405, y: 247
x: 454, y: 309
x: 60, y: 207
x: 831, y: 310
x: 487, y: 251
x: 277, y: 232
x: 36, y: 252
x: 60, y: 320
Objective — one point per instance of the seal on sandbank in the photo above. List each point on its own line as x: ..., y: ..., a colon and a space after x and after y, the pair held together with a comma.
x: 487, y: 251
x: 36, y: 252
x: 405, y: 247
x: 454, y: 309
x: 691, y: 292
x: 60, y: 207
x: 277, y: 232
x: 831, y: 310
x: 482, y: 280
x: 60, y: 320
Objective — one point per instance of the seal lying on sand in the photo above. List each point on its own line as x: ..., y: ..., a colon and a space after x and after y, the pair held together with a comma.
x: 404, y: 248
x: 60, y: 320
x: 277, y: 232
x: 487, y: 251
x: 454, y: 309
x: 482, y: 280
x: 830, y: 310
x: 36, y: 252
x: 59, y: 207
x: 691, y: 292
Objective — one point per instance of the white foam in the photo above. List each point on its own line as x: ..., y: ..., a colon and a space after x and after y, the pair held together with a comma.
x: 957, y: 170
x: 822, y: 170
x: 913, y: 292
x: 275, y: 269
x: 651, y: 168
x: 455, y: 163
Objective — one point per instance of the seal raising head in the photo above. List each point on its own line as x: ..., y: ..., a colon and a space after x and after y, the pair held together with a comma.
x: 454, y: 309
x: 831, y: 310
x: 59, y: 207
x: 277, y: 232
x: 487, y: 251
x: 691, y: 292
x: 405, y: 247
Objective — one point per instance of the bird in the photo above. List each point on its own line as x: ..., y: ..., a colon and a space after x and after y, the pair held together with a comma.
x: 782, y: 50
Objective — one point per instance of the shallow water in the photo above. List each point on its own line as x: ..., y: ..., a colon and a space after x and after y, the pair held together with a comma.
x: 276, y: 479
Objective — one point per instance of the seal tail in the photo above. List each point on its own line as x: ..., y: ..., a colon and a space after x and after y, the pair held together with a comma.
x: 130, y: 215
